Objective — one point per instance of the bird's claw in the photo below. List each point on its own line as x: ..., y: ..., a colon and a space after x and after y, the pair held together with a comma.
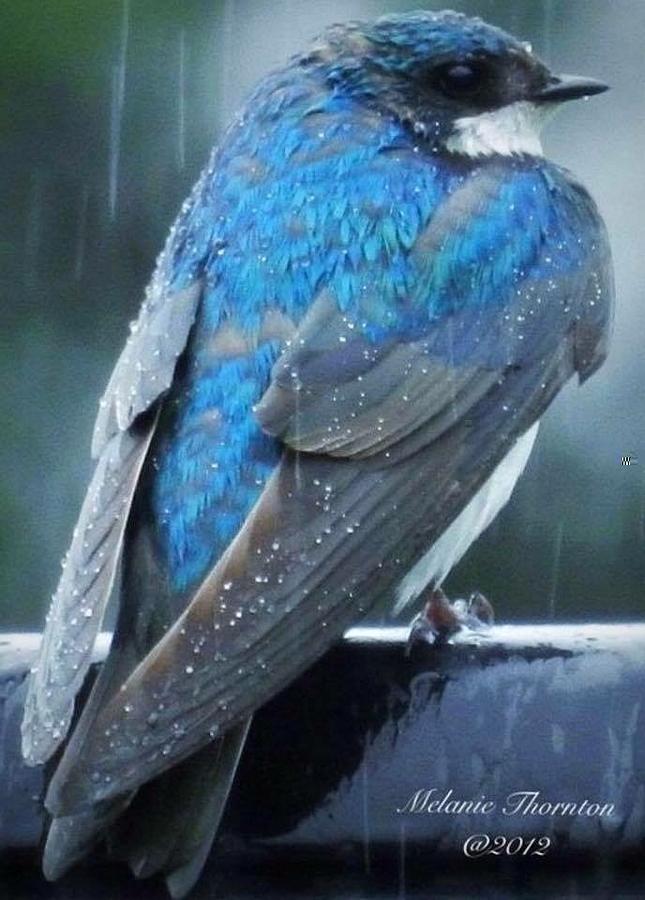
x: 440, y: 619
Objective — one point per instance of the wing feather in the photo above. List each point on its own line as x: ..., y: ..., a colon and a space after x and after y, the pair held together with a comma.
x: 124, y: 429
x: 333, y: 391
x: 79, y: 604
x: 146, y: 365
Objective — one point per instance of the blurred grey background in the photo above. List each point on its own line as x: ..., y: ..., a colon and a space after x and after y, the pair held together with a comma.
x: 107, y: 113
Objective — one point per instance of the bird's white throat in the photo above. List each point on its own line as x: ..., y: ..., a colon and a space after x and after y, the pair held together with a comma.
x: 511, y: 130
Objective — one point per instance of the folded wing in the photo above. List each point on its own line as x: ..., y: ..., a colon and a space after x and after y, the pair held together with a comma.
x: 386, y: 438
x: 124, y: 429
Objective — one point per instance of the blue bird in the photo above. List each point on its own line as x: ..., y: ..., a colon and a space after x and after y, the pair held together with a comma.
x: 371, y: 296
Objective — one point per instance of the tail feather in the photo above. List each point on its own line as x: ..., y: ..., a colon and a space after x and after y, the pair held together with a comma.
x: 171, y: 825
x: 71, y: 838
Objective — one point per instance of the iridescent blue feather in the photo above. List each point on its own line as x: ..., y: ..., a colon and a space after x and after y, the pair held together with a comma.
x: 336, y: 200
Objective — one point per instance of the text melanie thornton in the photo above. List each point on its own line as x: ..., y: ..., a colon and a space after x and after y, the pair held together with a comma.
x: 519, y: 803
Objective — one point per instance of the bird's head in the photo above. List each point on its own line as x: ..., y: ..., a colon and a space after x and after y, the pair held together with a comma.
x: 461, y: 84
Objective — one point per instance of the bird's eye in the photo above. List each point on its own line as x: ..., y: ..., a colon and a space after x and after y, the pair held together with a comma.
x: 460, y: 80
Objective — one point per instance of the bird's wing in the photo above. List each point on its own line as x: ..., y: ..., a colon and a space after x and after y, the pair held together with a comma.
x: 124, y: 429
x: 387, y: 435
x: 146, y: 365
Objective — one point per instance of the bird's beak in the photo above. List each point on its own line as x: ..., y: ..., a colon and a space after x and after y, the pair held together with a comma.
x: 569, y: 87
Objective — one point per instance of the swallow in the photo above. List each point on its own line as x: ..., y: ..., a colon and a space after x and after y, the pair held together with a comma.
x: 375, y: 290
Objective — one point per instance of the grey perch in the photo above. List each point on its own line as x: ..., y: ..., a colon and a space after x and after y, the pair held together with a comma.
x: 342, y: 758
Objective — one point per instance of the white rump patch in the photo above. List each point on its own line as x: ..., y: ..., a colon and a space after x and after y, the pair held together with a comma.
x: 469, y: 524
x: 513, y: 129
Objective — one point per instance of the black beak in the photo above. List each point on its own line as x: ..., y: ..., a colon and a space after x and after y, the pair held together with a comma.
x: 569, y: 87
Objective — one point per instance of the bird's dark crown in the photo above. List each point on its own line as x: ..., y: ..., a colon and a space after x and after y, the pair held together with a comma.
x: 432, y: 67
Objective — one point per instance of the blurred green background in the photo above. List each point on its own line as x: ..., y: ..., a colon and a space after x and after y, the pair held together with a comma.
x: 107, y: 112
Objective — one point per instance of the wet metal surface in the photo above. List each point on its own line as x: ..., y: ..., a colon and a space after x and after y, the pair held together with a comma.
x: 333, y: 764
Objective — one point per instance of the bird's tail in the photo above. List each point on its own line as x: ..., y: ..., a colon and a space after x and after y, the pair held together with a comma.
x: 71, y: 838
x: 167, y: 826
x: 170, y: 827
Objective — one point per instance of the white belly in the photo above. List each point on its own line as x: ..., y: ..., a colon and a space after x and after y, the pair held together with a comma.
x: 469, y: 524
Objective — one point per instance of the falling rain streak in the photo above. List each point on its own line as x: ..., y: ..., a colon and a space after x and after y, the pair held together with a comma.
x: 555, y: 570
x: 297, y: 422
x: 116, y: 109
x: 367, y: 858
x: 32, y: 230
x: 226, y: 43
x: 548, y: 20
x: 402, y: 848
x: 181, y: 101
x: 81, y: 237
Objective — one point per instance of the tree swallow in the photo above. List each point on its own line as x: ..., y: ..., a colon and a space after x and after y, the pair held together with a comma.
x: 374, y: 291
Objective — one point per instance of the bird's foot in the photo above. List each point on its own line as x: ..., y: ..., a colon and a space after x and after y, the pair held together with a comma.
x: 440, y: 619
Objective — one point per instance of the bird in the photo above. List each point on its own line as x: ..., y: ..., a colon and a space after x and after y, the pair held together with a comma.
x: 375, y: 290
